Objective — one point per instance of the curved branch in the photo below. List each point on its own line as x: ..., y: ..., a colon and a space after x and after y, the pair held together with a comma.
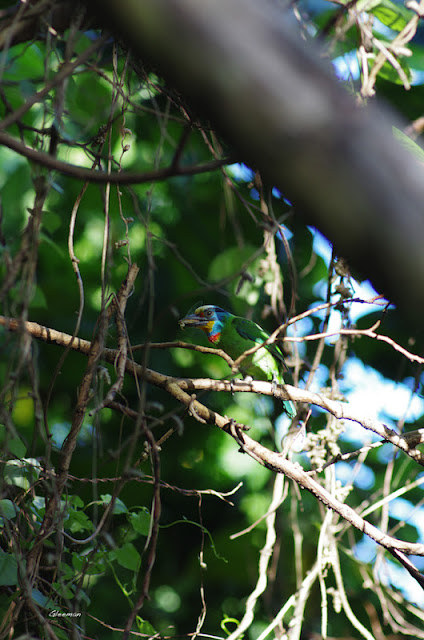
x: 181, y: 387
x: 270, y: 459
x: 179, y: 344
x: 340, y: 410
x: 124, y: 177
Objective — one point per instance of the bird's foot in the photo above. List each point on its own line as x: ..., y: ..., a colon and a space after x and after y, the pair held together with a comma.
x: 235, y: 430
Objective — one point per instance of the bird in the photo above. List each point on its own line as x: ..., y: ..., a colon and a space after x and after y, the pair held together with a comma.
x: 235, y: 335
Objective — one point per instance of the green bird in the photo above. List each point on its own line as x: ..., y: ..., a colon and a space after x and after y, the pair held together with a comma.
x: 235, y: 335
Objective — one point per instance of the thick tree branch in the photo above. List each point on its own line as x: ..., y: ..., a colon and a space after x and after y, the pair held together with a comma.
x: 28, y: 21
x: 242, y: 64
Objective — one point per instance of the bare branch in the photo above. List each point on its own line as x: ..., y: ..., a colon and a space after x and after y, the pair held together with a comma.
x: 270, y: 459
x: 103, y: 177
x: 180, y: 387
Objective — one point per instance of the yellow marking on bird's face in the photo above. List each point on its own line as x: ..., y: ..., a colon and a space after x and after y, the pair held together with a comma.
x: 207, y: 328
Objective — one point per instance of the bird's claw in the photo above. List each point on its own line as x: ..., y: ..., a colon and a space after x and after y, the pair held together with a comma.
x: 234, y: 429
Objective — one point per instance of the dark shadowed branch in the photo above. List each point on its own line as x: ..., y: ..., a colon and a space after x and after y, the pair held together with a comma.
x: 284, y: 113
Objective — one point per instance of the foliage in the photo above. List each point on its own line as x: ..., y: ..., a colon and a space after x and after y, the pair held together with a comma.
x: 120, y: 507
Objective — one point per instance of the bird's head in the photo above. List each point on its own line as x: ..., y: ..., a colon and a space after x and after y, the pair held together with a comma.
x: 209, y: 318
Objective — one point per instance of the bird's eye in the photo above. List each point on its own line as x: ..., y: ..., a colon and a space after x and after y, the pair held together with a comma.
x: 209, y: 312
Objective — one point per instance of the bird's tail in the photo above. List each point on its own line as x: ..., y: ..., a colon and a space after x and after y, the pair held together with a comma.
x: 289, y: 408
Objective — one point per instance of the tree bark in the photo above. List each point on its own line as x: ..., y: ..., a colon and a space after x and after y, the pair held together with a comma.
x: 245, y: 66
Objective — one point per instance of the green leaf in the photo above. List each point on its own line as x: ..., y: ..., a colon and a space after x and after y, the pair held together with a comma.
x: 8, y: 570
x: 64, y: 590
x: 22, y: 473
x: 394, y: 16
x: 118, y: 507
x: 128, y: 557
x: 408, y: 144
x: 78, y: 521
x: 8, y: 509
x: 388, y: 72
x: 28, y: 63
x: 67, y: 572
x: 140, y: 521
x: 144, y: 627
x: 51, y: 221
x: 77, y: 562
x: 39, y: 299
x: 88, y: 101
x: 76, y: 502
x: 39, y: 598
x: 228, y: 262
x: 16, y: 447
x: 417, y: 58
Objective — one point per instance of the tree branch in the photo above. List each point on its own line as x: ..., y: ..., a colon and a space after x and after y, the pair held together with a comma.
x: 180, y: 387
x: 287, y: 115
x: 102, y: 177
x: 27, y: 21
x: 270, y: 459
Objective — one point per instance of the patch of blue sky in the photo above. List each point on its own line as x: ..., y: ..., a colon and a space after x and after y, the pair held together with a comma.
x: 417, y: 77
x: 299, y: 329
x: 360, y: 475
x: 287, y: 234
x: 393, y: 574
x: 240, y: 172
x: 363, y: 290
x: 382, y: 399
x: 365, y: 550
x: 347, y: 66
x: 390, y: 573
x: 60, y: 430
x: 403, y: 510
x: 320, y: 379
x: 385, y: 453
x: 321, y: 245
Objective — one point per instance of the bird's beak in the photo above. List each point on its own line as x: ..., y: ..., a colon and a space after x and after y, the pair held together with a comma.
x: 193, y: 320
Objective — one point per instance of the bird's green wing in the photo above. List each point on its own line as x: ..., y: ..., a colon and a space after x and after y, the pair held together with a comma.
x: 251, y: 331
